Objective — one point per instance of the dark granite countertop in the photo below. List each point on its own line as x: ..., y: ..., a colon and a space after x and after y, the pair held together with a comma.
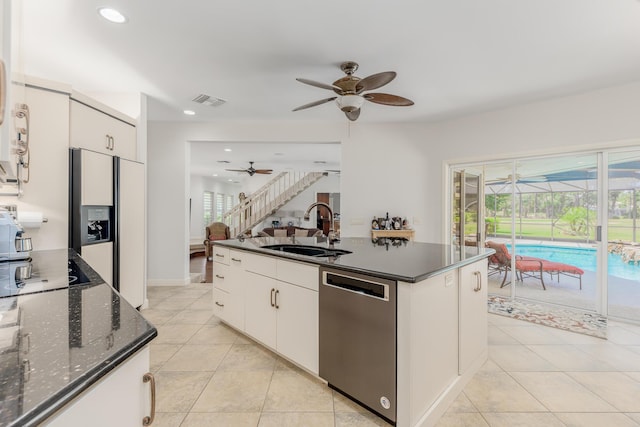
x: 387, y: 258
x: 57, y: 339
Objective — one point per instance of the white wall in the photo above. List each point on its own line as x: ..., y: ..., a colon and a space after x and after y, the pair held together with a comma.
x: 384, y: 169
x: 391, y: 167
x: 200, y: 184
x: 167, y: 205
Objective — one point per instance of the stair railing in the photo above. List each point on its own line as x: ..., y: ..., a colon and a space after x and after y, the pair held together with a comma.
x: 267, y: 200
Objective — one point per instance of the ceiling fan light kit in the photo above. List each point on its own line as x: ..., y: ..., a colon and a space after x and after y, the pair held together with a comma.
x: 350, y: 91
x: 349, y: 103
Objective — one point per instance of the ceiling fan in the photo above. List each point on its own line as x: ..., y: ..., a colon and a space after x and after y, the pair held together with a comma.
x: 510, y: 178
x: 350, y: 90
x: 251, y: 170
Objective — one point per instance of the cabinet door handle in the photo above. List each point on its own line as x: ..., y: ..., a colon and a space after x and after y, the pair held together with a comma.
x: 276, y: 298
x: 219, y: 276
x: 108, y: 144
x: 219, y: 305
x: 113, y: 143
x: 26, y: 373
x: 27, y: 340
x: 236, y: 260
x: 148, y: 378
x: 220, y: 256
x: 271, y: 298
x: 478, y: 286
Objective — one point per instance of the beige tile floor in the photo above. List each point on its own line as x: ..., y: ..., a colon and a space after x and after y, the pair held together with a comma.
x: 209, y: 375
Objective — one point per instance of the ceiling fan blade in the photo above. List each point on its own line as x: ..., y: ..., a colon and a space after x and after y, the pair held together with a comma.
x: 353, y: 115
x: 318, y: 84
x: 387, y: 99
x: 313, y: 104
x: 236, y: 170
x: 263, y: 171
x: 375, y: 81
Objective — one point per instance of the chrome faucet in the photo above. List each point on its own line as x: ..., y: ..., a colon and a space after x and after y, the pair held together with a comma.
x: 332, y: 234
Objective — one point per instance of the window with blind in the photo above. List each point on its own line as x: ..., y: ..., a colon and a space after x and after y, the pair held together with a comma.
x: 207, y: 206
x: 229, y: 202
x: 219, y: 206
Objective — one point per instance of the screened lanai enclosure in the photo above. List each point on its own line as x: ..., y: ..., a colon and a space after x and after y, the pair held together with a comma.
x: 568, y: 227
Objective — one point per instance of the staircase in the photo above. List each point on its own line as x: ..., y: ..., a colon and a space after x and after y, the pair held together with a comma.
x: 267, y: 200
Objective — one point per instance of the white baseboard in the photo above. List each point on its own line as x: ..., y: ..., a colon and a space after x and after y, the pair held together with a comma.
x: 161, y: 282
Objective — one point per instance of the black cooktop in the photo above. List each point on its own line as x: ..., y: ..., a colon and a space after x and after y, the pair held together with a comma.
x: 43, y: 271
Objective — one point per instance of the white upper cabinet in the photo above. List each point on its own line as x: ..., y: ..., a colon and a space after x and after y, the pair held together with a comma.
x: 107, y: 132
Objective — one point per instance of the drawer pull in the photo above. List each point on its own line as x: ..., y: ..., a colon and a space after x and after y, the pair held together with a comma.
x: 219, y: 276
x: 219, y: 305
x: 236, y: 260
x: 221, y: 256
x: 148, y: 378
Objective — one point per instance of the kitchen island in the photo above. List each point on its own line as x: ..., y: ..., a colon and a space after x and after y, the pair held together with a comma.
x: 73, y: 351
x: 435, y: 299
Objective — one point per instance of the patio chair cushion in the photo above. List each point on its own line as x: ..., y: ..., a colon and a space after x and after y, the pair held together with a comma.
x: 546, y: 266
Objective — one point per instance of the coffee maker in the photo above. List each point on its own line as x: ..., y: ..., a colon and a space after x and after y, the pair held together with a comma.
x: 13, y: 246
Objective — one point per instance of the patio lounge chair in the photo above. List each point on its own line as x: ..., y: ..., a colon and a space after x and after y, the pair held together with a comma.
x: 528, y: 266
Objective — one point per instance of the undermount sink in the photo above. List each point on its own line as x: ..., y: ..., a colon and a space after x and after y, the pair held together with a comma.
x: 314, y: 251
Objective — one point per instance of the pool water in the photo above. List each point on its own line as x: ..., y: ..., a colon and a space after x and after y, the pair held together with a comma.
x: 585, y: 258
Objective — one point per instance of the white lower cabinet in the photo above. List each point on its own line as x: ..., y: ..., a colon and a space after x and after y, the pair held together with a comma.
x: 272, y: 300
x: 121, y: 398
x: 261, y: 312
x: 284, y: 317
x: 427, y: 337
x: 229, y: 289
x: 473, y: 334
x: 297, y: 331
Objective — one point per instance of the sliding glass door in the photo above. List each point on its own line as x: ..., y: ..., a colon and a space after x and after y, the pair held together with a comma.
x: 623, y: 229
x: 569, y: 225
x: 467, y: 214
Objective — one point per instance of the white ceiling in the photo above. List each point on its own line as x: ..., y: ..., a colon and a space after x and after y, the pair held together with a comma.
x: 453, y: 57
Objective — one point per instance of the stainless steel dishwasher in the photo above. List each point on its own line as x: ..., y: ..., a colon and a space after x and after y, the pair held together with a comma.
x: 358, y: 338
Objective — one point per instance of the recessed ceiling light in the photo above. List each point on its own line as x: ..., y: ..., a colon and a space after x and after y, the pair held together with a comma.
x: 230, y: 180
x: 215, y: 174
x: 224, y: 161
x: 227, y: 149
x: 189, y: 112
x: 319, y: 162
x: 112, y: 15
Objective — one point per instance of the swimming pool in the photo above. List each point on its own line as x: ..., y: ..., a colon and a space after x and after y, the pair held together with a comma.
x: 585, y: 258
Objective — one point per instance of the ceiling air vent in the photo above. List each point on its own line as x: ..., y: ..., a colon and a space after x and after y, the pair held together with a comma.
x: 208, y: 100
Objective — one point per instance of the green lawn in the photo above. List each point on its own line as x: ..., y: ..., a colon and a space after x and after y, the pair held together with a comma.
x: 619, y: 229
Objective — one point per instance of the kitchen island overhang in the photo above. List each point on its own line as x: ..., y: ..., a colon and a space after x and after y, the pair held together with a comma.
x: 392, y: 259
